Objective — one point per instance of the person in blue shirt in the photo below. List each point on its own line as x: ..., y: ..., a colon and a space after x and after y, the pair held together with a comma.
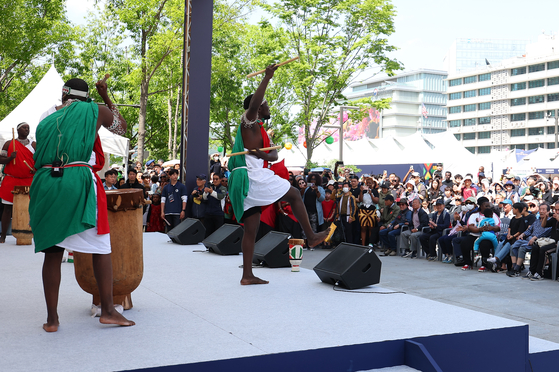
x: 173, y: 200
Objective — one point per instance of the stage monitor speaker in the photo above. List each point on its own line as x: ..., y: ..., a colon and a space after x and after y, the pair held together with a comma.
x: 272, y: 250
x: 351, y: 266
x: 226, y: 240
x: 189, y: 231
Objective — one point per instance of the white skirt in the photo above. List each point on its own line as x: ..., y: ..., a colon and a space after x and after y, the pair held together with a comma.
x: 265, y: 187
x: 88, y: 241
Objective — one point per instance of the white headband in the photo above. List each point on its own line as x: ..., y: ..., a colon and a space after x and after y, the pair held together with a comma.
x: 21, y: 125
x: 74, y: 92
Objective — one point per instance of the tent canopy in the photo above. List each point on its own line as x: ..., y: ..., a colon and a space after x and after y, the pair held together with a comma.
x: 46, y: 94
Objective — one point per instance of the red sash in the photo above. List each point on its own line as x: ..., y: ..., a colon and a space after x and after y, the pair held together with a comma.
x: 102, y: 213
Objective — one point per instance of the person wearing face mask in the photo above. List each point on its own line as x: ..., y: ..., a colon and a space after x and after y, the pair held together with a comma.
x: 347, y: 209
x: 466, y: 210
x: 215, y: 165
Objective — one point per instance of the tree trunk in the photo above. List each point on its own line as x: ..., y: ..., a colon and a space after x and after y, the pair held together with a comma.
x: 144, y: 89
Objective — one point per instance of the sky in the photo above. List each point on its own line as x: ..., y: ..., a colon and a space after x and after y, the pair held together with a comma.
x: 424, y: 30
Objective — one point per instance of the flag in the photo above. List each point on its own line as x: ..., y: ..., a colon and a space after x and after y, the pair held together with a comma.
x: 423, y: 110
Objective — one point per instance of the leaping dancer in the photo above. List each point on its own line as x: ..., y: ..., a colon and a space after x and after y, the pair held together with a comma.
x: 252, y: 185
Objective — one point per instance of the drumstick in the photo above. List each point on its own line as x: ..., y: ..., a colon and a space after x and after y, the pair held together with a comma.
x: 278, y: 65
x: 249, y: 151
x: 167, y: 222
x: 28, y: 166
x: 14, y: 142
x: 105, y: 78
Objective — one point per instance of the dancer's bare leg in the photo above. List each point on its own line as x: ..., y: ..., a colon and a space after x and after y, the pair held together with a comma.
x: 103, y: 269
x: 293, y: 197
x: 6, y: 218
x: 252, y: 223
x: 51, y: 286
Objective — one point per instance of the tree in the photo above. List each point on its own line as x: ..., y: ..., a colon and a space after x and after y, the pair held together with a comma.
x: 335, y: 39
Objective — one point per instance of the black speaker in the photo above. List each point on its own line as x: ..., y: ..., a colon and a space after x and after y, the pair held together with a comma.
x: 189, y: 231
x: 351, y: 266
x: 226, y: 240
x: 272, y: 250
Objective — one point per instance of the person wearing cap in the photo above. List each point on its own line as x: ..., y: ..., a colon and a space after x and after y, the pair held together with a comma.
x: 421, y: 189
x: 67, y: 206
x: 466, y: 189
x: 196, y: 204
x: 410, y: 192
x: 510, y: 193
x: 438, y: 221
x: 389, y: 236
x: 506, y: 209
x: 173, y: 200
x: 17, y: 154
x: 409, y: 239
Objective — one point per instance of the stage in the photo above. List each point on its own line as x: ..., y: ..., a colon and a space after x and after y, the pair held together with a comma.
x: 191, y: 309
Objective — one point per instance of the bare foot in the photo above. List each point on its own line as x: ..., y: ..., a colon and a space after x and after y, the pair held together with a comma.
x: 253, y: 280
x: 51, y: 326
x: 115, y: 318
x: 318, y: 238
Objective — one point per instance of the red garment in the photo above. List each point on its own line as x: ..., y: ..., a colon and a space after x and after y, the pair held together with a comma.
x: 327, y: 207
x: 102, y: 213
x: 269, y: 214
x: 265, y: 140
x: 155, y: 222
x: 18, y: 174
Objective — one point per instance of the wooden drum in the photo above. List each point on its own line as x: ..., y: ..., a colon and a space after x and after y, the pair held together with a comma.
x: 20, y: 216
x: 125, y: 222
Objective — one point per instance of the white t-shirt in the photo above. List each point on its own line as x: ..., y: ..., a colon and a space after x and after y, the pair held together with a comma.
x: 477, y: 217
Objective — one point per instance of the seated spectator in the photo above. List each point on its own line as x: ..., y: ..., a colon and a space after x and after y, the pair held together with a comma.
x: 536, y: 230
x: 154, y: 221
x: 541, y: 251
x: 390, y: 235
x: 409, y: 239
x: 213, y: 194
x: 110, y: 180
x: 506, y: 211
x: 411, y: 192
x: 467, y: 243
x: 346, y: 210
x: 438, y: 221
x: 434, y: 194
x: 467, y: 190
x: 510, y: 193
x: 425, y: 206
x: 447, y: 182
x: 387, y: 215
x: 448, y: 198
x: 486, y: 235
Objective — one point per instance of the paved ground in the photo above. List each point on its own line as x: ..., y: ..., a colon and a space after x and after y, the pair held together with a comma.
x: 518, y: 299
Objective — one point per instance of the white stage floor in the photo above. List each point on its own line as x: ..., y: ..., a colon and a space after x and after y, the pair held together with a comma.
x: 190, y: 307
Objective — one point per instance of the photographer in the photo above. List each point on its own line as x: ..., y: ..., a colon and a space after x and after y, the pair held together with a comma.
x: 198, y: 207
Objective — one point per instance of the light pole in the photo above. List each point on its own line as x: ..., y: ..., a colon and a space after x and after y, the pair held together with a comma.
x: 340, y: 128
x: 556, y: 114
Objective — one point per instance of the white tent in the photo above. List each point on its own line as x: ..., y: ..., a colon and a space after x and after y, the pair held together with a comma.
x: 46, y: 94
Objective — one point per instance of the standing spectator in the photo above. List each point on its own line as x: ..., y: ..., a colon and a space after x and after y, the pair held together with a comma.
x: 438, y: 173
x: 356, y: 191
x: 213, y: 194
x: 448, y: 182
x: 154, y: 184
x: 467, y: 190
x: 328, y: 209
x: 132, y: 182
x: 434, y: 193
x: 215, y: 164
x: 368, y: 197
x: 198, y: 205
x: 154, y: 221
x: 510, y: 193
x: 173, y: 200
x: 421, y: 190
x: 110, y: 180
x: 346, y: 211
x: 313, y: 195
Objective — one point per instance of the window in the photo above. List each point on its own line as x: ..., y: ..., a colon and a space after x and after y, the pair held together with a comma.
x: 485, y: 77
x: 535, y: 131
x: 485, y: 91
x: 455, y: 110
x: 518, y: 117
x: 485, y: 120
x: 484, y: 106
x: 518, y: 71
x: 536, y: 68
x: 483, y: 135
x: 518, y: 101
x: 553, y: 81
x: 550, y: 130
x: 536, y: 99
x: 469, y: 108
x: 470, y: 79
x: 552, y: 65
x: 551, y: 145
x: 455, y: 82
x: 532, y: 146
x: 454, y: 124
x: 553, y: 97
x: 471, y: 149
x: 536, y: 115
x: 518, y: 86
x: 457, y: 135
x: 455, y: 95
x: 469, y: 93
x: 518, y: 132
x: 468, y: 136
x: 536, y: 83
x: 550, y: 113
x: 484, y: 150
x: 469, y: 122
